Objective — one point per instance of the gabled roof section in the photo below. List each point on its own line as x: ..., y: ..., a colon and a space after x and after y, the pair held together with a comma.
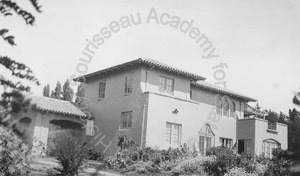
x: 55, y: 106
x: 147, y: 62
x: 217, y: 89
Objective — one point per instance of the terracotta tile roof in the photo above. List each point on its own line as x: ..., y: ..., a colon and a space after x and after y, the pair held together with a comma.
x: 215, y: 88
x: 249, y: 110
x: 55, y: 106
x: 148, y: 62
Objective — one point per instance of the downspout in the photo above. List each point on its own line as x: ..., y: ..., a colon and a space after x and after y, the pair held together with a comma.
x: 143, y: 126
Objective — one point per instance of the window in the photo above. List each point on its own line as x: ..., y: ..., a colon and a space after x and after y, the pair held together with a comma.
x: 128, y: 83
x: 208, y: 143
x: 226, y: 142
x: 166, y: 84
x: 89, y: 128
x: 226, y: 107
x: 126, y: 120
x: 173, y: 134
x: 201, y: 144
x: 232, y: 109
x: 206, y: 136
x: 272, y: 125
x: 268, y: 146
x: 218, y: 102
x: 101, y: 93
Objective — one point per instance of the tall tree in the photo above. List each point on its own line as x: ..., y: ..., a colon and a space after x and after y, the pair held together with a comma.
x: 294, y: 127
x: 57, y: 91
x: 272, y: 116
x: 68, y: 92
x: 80, y: 93
x: 52, y: 94
x: 12, y: 99
x: 46, y: 91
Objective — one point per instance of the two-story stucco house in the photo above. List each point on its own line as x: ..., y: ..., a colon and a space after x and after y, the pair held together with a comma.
x: 162, y: 106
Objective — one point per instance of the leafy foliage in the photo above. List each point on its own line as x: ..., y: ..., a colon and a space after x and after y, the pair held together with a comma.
x: 12, y: 99
x: 71, y: 155
x: 14, y: 154
x: 226, y: 159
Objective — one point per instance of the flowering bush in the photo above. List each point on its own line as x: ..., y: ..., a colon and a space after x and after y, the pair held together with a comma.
x: 14, y: 155
x: 191, y: 165
x: 238, y: 171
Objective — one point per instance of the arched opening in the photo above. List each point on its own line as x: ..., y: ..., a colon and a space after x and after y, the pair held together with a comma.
x: 268, y: 145
x: 206, y: 138
x: 23, y: 126
x: 60, y: 128
x: 232, y: 109
x: 225, y: 107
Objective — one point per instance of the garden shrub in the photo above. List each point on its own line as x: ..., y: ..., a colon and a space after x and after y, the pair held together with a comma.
x: 238, y: 171
x: 92, y: 154
x: 14, y: 154
x: 192, y: 165
x: 278, y: 165
x: 71, y: 155
x: 225, y: 160
x: 130, y: 157
x: 119, y: 161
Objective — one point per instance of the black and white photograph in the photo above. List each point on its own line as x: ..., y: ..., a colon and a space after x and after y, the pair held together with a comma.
x: 149, y: 87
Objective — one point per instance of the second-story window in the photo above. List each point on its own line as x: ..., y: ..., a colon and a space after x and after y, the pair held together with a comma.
x: 166, y: 84
x: 128, y: 83
x: 102, y: 86
x: 232, y: 109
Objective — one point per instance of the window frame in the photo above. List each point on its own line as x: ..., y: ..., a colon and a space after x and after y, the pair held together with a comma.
x: 128, y: 89
x: 227, y: 141
x: 99, y: 90
x: 169, y: 138
x: 268, y: 146
x: 126, y: 121
x: 163, y: 85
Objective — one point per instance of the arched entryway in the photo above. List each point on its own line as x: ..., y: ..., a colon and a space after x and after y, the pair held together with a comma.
x: 268, y: 145
x: 206, y: 138
x: 60, y: 128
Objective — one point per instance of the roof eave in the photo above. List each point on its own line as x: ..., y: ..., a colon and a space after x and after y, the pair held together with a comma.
x: 191, y: 76
x: 245, y: 98
x: 59, y: 112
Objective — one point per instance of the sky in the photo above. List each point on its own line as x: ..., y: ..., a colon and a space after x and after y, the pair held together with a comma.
x: 258, y: 40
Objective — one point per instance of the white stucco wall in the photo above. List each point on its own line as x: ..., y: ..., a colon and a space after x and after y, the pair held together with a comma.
x: 257, y: 131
